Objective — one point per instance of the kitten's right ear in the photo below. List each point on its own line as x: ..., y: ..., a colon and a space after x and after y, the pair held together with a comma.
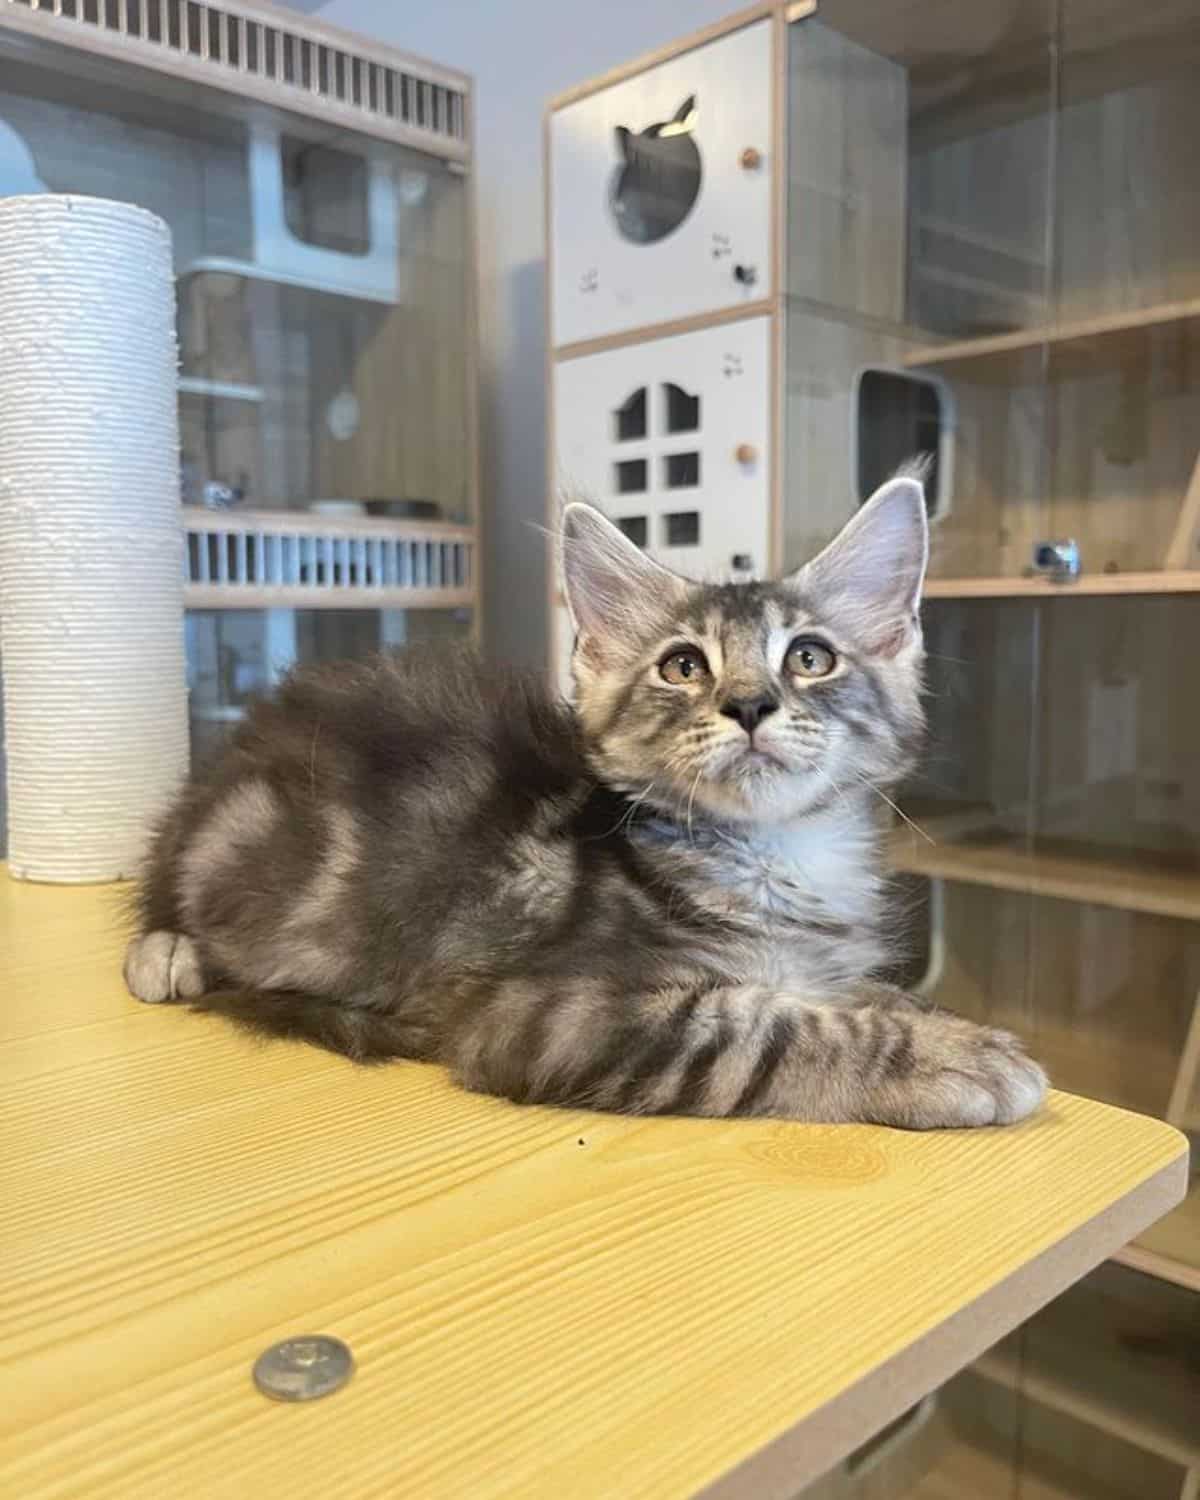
x: 870, y: 575
x: 612, y: 587
x: 623, y: 134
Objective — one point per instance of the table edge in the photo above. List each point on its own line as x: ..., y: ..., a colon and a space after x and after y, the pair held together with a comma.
x: 821, y: 1439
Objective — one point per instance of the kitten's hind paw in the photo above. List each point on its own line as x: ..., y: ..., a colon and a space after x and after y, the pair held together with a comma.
x: 163, y: 966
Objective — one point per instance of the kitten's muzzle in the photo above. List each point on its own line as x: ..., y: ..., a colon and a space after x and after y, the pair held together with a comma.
x: 750, y: 712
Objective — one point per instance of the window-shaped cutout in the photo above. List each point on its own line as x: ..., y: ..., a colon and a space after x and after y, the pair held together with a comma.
x: 631, y: 476
x: 682, y: 528
x: 657, y: 181
x: 325, y: 196
x: 900, y: 416
x: 681, y: 471
x: 682, y: 411
x: 636, y: 528
x: 629, y: 420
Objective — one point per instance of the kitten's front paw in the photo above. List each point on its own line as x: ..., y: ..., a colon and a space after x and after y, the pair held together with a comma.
x: 967, y: 1075
x: 163, y: 966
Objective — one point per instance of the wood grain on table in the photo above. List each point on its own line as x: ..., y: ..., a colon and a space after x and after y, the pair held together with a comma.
x: 540, y: 1302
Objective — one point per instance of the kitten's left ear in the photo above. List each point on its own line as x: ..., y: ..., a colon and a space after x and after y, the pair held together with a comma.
x: 871, y: 573
x: 613, y: 589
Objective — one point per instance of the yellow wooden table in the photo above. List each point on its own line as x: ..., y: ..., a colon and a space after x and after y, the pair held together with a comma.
x: 540, y: 1303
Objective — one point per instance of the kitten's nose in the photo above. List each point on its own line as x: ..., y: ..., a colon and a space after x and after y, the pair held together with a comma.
x: 749, y: 712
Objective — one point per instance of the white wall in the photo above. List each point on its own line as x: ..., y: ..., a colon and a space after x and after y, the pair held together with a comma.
x: 520, y: 52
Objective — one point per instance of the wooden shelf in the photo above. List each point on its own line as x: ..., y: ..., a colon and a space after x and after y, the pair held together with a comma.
x: 966, y: 1471
x: 177, y: 1198
x: 247, y: 270
x: 1170, y: 1249
x: 1078, y: 1365
x: 1113, y: 337
x: 1174, y: 581
x: 1006, y: 863
x: 219, y: 390
x: 217, y: 713
x: 244, y: 559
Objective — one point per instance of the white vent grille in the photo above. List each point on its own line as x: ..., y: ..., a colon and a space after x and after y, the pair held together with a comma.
x: 281, y: 559
x: 250, y: 51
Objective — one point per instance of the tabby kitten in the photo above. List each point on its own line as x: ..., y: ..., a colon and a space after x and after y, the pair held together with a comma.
x: 667, y: 901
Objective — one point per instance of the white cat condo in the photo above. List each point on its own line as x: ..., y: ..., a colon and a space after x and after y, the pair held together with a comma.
x: 318, y: 194
x: 800, y: 247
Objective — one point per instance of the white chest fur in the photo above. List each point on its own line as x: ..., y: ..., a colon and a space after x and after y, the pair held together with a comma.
x: 821, y: 868
x: 804, y: 897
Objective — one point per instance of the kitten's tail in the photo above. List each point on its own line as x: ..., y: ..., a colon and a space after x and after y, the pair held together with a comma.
x: 352, y: 1031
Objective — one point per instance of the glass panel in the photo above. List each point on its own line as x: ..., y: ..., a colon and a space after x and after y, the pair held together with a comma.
x: 1116, y: 961
x: 322, y: 283
x: 235, y: 655
x: 1126, y: 362
x: 827, y: 351
x: 1037, y: 161
x: 1118, y: 793
x: 899, y: 413
x: 921, y: 178
x: 1094, y: 1399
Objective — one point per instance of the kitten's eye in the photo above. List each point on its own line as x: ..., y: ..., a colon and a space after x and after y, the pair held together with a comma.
x: 808, y: 658
x: 683, y: 666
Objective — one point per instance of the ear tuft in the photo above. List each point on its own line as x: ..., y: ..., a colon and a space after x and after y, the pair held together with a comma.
x: 871, y: 573
x: 612, y: 587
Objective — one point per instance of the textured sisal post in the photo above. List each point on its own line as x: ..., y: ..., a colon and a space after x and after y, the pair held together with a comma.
x: 91, y: 537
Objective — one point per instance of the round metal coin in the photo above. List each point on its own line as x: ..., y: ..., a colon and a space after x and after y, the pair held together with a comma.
x: 304, y: 1368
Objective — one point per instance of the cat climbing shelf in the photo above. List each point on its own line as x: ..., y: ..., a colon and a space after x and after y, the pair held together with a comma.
x: 674, y: 434
x: 274, y: 560
x: 318, y: 192
x: 980, y: 244
x: 661, y: 197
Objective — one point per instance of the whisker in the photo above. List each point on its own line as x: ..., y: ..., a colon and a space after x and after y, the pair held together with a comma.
x: 839, y: 791
x: 626, y: 815
x: 916, y: 827
x: 630, y: 812
x: 691, y: 800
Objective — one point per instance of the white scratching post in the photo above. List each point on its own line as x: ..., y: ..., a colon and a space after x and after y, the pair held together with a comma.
x: 91, y: 536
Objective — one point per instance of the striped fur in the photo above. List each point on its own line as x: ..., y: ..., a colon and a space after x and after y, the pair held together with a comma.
x: 640, y: 905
